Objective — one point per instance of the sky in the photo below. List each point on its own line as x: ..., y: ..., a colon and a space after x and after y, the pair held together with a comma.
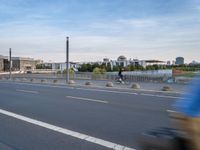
x: 142, y: 29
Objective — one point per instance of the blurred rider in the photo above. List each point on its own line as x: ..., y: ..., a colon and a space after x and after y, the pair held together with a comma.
x: 189, y: 106
x: 120, y: 74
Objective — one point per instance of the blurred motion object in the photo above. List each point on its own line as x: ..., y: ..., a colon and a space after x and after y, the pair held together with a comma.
x: 186, y: 135
x: 189, y: 108
x: 189, y: 104
x: 162, y: 139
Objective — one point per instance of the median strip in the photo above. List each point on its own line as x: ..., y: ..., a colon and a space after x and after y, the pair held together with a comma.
x: 88, y: 99
x: 26, y: 91
x: 68, y: 132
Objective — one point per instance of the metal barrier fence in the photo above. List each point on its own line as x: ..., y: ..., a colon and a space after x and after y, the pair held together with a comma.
x: 90, y: 76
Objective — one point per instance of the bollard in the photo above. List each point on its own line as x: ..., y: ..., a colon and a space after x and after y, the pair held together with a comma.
x: 166, y: 88
x: 109, y: 84
x: 71, y: 82
x: 24, y: 79
x: 55, y: 81
x: 135, y: 86
x: 88, y: 83
x: 43, y: 81
x: 32, y: 80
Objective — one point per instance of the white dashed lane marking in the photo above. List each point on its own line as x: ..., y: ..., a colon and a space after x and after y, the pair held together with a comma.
x: 87, y: 99
x: 27, y: 91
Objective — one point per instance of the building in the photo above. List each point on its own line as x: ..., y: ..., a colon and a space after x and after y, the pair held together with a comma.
x: 194, y: 62
x: 18, y: 63
x: 135, y: 62
x: 23, y: 64
x: 124, y: 62
x: 61, y: 65
x: 145, y: 63
x: 179, y: 61
x: 1, y: 63
x: 168, y: 63
x: 121, y: 61
x: 4, y: 63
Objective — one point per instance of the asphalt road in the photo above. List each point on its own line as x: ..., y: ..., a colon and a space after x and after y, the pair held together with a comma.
x: 104, y: 115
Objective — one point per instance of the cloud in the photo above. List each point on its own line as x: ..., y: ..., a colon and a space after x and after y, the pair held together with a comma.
x: 35, y: 29
x: 139, y: 22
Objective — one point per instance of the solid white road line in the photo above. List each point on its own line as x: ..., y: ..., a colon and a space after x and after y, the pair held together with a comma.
x: 88, y: 99
x: 27, y: 91
x: 108, y: 91
x: 171, y: 111
x: 162, y: 96
x: 66, y: 131
x: 42, y: 85
x: 157, y: 91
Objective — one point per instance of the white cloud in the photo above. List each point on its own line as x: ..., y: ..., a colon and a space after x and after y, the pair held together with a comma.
x: 139, y: 22
x: 162, y: 38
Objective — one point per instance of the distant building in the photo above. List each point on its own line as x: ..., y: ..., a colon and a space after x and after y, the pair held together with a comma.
x: 145, y: 63
x: 123, y: 62
x: 18, y: 63
x: 194, y: 63
x: 106, y: 60
x: 61, y: 65
x: 179, y: 61
x: 135, y: 62
x: 1, y: 64
x: 168, y: 63
x: 23, y: 64
x: 4, y: 63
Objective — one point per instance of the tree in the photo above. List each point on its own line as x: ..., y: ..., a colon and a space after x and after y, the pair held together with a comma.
x: 97, y: 71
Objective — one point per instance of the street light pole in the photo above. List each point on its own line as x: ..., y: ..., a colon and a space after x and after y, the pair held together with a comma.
x: 67, y: 60
x: 10, y: 64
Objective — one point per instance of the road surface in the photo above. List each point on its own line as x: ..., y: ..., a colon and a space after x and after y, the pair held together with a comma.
x: 36, y: 116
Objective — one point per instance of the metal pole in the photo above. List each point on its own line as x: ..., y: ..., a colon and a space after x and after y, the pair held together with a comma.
x: 10, y: 64
x: 67, y: 60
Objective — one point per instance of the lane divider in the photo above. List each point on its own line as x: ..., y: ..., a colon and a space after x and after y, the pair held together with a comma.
x: 68, y: 132
x: 108, y: 91
x: 88, y: 99
x: 161, y: 96
x: 27, y: 91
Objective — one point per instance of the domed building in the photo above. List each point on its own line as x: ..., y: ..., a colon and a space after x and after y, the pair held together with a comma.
x: 121, y: 58
x: 122, y: 61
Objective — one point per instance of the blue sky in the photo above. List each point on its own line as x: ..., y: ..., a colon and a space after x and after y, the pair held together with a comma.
x: 143, y: 29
